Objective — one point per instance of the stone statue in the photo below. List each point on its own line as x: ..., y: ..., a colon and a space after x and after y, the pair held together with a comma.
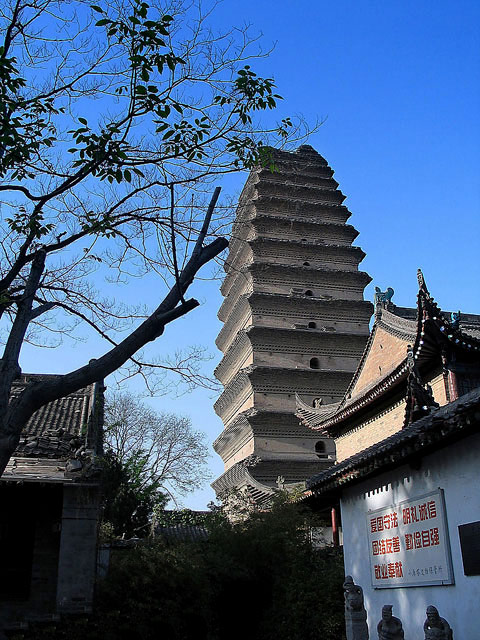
x: 353, y: 595
x: 435, y: 627
x: 389, y: 627
x: 455, y: 320
x: 384, y: 297
x: 355, y: 614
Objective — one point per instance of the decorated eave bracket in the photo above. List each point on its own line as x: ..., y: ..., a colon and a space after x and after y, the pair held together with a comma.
x: 450, y: 330
x: 420, y: 400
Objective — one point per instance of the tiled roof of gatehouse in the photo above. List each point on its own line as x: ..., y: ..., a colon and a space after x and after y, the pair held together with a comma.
x: 60, y: 431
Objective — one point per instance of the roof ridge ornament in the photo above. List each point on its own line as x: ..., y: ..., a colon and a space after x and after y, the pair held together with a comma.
x: 455, y: 319
x: 422, y: 285
x: 383, y: 299
x: 427, y: 307
x: 421, y: 279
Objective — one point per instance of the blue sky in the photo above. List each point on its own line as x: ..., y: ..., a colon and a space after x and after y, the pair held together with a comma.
x: 398, y: 86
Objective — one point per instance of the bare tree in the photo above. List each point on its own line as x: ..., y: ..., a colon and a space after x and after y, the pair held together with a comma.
x: 114, y: 121
x: 173, y: 455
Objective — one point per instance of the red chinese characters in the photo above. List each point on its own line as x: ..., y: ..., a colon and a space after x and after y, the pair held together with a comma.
x: 419, y: 513
x: 380, y: 523
x: 422, y: 539
x: 387, y: 545
x: 389, y: 570
x: 407, y: 542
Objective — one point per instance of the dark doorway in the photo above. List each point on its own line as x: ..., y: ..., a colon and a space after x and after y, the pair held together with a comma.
x: 29, y: 536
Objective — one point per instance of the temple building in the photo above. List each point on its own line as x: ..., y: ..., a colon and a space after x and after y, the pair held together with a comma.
x: 405, y: 483
x: 295, y: 321
x: 50, y: 495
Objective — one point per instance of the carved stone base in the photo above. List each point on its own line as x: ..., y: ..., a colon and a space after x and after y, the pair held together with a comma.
x: 356, y: 625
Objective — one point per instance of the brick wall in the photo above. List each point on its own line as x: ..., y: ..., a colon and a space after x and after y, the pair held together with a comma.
x: 438, y: 387
x: 371, y: 431
x: 386, y: 352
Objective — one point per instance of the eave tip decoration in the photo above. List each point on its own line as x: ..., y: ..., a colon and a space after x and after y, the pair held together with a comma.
x: 421, y: 282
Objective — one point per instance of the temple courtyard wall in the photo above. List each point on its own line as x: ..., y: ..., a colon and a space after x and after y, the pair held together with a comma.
x: 453, y: 469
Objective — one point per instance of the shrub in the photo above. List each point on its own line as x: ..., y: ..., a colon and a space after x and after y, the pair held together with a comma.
x: 258, y: 579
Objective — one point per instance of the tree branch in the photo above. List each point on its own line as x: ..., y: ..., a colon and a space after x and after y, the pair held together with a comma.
x: 41, y: 309
x: 39, y: 393
x: 24, y: 190
x: 9, y: 361
x: 172, y: 240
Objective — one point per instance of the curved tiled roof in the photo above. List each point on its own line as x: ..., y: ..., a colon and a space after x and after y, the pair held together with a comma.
x: 58, y: 426
x: 58, y: 432
x: 314, y: 417
x: 400, y: 323
x: 450, y: 422
x: 253, y: 473
x: 239, y: 475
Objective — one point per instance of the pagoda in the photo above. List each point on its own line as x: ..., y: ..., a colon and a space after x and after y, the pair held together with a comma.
x: 295, y: 322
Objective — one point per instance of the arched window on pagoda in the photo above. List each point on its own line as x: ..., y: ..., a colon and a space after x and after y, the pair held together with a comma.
x: 321, y: 449
x: 312, y: 325
x: 314, y: 363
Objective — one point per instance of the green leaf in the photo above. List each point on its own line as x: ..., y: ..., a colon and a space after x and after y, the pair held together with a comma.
x: 95, y: 7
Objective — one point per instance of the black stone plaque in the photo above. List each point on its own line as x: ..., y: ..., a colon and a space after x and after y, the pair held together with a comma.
x: 470, y: 545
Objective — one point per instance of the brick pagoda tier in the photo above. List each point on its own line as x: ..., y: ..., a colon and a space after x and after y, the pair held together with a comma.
x: 295, y: 321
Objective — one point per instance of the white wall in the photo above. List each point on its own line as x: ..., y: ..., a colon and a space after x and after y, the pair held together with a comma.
x: 456, y: 470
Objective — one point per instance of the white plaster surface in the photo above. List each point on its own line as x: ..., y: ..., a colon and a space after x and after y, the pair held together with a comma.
x: 456, y: 470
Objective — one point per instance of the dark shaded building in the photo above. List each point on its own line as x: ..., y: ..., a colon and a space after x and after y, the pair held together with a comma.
x: 50, y: 497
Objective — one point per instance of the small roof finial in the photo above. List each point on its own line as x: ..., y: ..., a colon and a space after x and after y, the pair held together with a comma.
x: 383, y: 297
x: 421, y: 280
x: 422, y: 286
x: 455, y: 319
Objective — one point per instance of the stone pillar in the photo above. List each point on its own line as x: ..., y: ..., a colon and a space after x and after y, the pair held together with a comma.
x: 355, y: 613
x: 356, y: 625
x: 335, y: 532
x: 78, y: 549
